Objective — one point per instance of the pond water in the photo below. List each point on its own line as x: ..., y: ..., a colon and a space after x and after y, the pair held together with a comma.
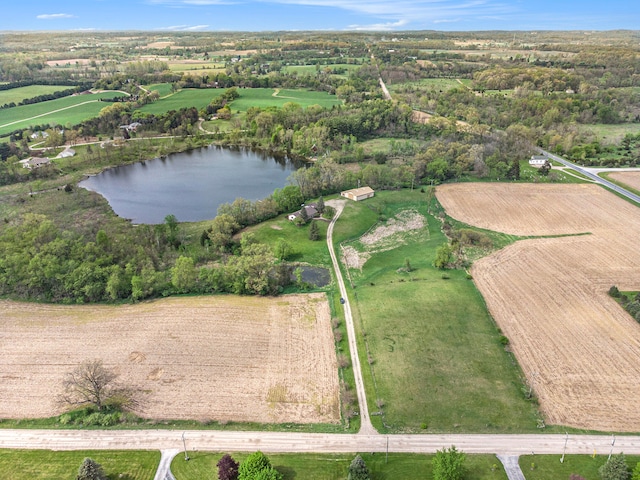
x: 190, y: 185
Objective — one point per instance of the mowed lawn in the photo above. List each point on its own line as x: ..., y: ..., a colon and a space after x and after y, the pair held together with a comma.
x: 47, y: 464
x: 405, y: 466
x: 17, y: 95
x: 544, y: 467
x: 431, y: 347
x: 62, y: 111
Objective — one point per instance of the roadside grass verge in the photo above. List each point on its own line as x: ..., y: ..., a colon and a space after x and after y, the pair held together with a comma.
x: 16, y: 118
x: 311, y: 466
x: 19, y: 94
x: 47, y: 464
x: 431, y: 354
x: 544, y: 467
x: 607, y: 176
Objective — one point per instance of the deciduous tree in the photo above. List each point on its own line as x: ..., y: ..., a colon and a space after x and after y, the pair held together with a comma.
x: 448, y: 464
x: 91, y: 383
x: 227, y: 468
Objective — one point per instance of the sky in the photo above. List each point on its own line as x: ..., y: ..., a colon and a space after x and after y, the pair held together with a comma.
x: 340, y: 15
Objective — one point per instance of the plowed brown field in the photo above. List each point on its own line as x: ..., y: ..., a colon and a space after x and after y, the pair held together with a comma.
x: 207, y: 358
x: 629, y: 178
x: 578, y: 348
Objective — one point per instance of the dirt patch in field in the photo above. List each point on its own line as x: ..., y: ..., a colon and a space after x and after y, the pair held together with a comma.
x: 387, y: 236
x: 578, y: 348
x: 206, y: 358
x: 628, y: 178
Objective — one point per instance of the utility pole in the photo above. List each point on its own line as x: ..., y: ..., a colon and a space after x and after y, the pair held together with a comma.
x: 565, y: 447
x: 184, y: 444
x: 386, y: 458
x: 613, y: 442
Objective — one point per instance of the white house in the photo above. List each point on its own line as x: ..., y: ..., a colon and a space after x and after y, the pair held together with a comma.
x: 538, y: 160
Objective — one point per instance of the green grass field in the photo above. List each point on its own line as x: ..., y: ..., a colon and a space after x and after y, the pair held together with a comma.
x: 48, y: 465
x: 189, y: 97
x: 429, y: 348
x: 163, y: 89
x: 76, y: 109
x: 548, y: 466
x: 264, y: 97
x: 334, y: 467
x: 443, y: 84
x: 16, y: 95
x: 311, y: 69
x: 611, y: 134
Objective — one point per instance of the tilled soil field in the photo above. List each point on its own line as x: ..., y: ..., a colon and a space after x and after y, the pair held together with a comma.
x: 224, y: 358
x: 628, y: 178
x: 579, y: 350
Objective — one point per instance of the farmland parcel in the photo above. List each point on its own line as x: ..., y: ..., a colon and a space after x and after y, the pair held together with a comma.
x: 579, y: 349
x: 219, y: 358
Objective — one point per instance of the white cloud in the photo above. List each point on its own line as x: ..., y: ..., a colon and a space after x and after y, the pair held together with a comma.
x: 55, y: 16
x: 379, y: 26
x: 186, y: 28
x: 384, y: 14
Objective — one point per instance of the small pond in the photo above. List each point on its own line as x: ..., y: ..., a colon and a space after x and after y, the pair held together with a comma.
x: 190, y: 185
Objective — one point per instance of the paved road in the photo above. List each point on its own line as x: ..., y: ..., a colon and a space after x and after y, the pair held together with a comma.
x: 208, y: 440
x: 587, y: 172
x: 365, y: 421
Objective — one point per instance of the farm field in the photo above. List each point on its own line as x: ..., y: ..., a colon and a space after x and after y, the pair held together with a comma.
x: 224, y: 358
x: 631, y: 179
x: 61, y: 111
x: 578, y: 348
x: 431, y: 355
x: 189, y: 97
x: 442, y: 84
x: 16, y: 95
x: 267, y: 97
x: 334, y: 467
x: 48, y: 464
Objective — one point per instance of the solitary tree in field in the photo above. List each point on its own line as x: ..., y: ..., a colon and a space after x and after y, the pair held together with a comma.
x: 227, y: 468
x: 444, y: 254
x: 448, y: 464
x: 90, y: 383
x: 90, y: 470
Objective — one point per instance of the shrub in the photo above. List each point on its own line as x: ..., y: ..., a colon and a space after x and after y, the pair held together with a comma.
x: 614, y: 292
x: 615, y: 469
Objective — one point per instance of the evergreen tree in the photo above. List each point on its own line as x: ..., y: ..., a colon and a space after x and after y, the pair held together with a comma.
x: 320, y: 205
x: 358, y: 469
x: 90, y: 470
x: 314, y: 233
x: 615, y: 469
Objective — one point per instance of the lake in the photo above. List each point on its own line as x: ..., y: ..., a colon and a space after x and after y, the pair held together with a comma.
x: 190, y: 185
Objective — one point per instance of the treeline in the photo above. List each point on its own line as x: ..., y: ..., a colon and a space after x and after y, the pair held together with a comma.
x: 39, y: 261
x: 49, y: 96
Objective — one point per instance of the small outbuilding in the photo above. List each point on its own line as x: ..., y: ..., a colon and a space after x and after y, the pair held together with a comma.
x: 537, y: 160
x: 357, y: 194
